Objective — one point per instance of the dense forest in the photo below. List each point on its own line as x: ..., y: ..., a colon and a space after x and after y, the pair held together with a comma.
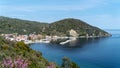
x: 62, y: 27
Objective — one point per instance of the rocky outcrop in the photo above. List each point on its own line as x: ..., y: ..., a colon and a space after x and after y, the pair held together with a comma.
x: 73, y: 33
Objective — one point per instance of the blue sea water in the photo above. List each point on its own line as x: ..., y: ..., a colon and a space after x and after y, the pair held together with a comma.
x: 87, y: 53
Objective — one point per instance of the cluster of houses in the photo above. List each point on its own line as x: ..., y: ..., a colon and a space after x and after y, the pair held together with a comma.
x: 26, y: 38
x: 38, y: 38
x: 31, y: 38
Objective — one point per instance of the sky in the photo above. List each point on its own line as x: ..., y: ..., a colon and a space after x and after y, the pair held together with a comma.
x: 104, y: 14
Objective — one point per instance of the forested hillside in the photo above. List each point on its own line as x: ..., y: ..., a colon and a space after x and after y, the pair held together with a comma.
x: 12, y: 25
x: 60, y: 28
x: 63, y: 27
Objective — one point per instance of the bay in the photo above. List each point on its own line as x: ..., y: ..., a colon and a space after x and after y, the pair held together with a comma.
x: 87, y: 53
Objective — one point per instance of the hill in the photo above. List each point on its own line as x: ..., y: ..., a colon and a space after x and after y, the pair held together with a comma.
x: 63, y: 27
x: 13, y: 25
x: 60, y: 28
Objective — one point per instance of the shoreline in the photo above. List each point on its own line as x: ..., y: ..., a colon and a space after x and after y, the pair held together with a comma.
x: 36, y: 41
x: 64, y: 42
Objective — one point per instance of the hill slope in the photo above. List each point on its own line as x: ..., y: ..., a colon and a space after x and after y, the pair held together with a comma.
x: 12, y: 25
x: 14, y: 50
x: 20, y: 53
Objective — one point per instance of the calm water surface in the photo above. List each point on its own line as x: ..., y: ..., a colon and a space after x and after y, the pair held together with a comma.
x: 88, y: 53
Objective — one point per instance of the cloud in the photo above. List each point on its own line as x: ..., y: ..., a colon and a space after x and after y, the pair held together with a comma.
x: 14, y: 8
x: 81, y: 5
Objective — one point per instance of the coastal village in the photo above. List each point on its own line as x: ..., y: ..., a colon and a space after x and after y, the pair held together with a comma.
x: 32, y: 38
x: 39, y: 38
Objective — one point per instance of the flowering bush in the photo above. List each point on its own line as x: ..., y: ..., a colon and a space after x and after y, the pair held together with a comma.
x: 16, y: 63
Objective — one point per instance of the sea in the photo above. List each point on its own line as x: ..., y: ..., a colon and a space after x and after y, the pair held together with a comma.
x: 87, y: 53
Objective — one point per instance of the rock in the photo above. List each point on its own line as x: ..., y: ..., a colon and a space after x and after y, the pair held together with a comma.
x: 73, y: 33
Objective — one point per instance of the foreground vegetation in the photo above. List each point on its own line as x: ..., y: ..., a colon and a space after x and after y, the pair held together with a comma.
x: 19, y: 55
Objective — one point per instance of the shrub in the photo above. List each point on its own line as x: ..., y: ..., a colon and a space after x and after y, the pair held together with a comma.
x: 17, y: 62
x: 67, y: 63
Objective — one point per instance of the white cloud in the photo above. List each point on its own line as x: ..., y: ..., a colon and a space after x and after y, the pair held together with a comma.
x: 84, y: 5
x: 14, y: 8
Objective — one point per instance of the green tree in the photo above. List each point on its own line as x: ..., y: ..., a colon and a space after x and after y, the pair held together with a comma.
x: 67, y: 63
